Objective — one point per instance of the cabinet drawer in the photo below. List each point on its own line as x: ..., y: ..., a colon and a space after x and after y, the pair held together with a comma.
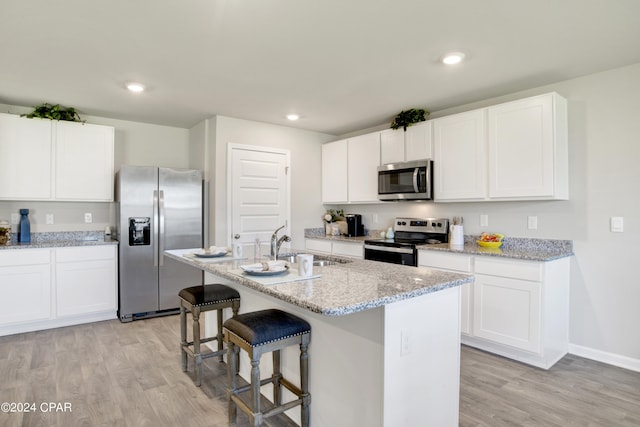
x: 318, y: 245
x: 444, y: 261
x: 16, y: 257
x: 85, y: 253
x: 348, y: 249
x: 525, y: 270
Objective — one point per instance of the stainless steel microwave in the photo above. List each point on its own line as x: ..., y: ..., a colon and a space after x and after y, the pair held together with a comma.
x: 406, y: 181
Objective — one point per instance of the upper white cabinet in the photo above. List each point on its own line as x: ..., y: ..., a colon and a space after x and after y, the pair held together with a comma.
x: 511, y: 151
x: 350, y: 170
x: 460, y: 167
x: 334, y: 172
x: 84, y: 162
x: 528, y: 153
x: 363, y: 158
x: 403, y: 146
x: 52, y: 160
x: 26, y: 150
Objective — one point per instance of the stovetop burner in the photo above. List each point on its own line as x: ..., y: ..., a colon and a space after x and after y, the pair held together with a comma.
x: 417, y: 231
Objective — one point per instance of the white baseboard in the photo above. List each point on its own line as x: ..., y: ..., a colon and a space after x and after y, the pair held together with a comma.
x: 605, y: 357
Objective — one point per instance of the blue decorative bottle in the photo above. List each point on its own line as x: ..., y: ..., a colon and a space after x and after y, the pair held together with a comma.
x: 24, y: 228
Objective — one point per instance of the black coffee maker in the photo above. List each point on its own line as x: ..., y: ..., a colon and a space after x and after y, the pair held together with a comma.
x: 354, y: 225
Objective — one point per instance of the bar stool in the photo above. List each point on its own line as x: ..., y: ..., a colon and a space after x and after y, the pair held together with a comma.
x: 257, y: 333
x: 198, y: 299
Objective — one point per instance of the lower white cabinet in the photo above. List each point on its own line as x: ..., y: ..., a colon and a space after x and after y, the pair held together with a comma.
x: 340, y: 248
x: 85, y: 279
x: 50, y: 288
x: 460, y: 264
x: 515, y: 308
x: 25, y: 286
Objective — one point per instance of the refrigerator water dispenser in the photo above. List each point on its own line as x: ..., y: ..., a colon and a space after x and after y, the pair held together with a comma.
x: 139, y: 231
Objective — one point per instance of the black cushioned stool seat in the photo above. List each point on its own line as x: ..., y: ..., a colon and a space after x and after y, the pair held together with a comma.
x: 198, y: 299
x: 259, y: 332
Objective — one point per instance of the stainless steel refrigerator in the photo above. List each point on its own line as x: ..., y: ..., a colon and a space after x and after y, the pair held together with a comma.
x: 157, y: 209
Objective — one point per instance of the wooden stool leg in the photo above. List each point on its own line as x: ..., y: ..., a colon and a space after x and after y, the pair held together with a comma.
x: 183, y: 336
x: 219, y: 335
x: 304, y: 382
x: 232, y: 370
x: 277, y: 396
x: 255, y: 388
x: 196, y: 345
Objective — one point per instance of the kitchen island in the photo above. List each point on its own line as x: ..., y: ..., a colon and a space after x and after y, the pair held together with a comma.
x: 385, y: 340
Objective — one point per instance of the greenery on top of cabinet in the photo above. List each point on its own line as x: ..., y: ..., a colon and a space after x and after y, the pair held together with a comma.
x: 407, y: 118
x: 54, y: 112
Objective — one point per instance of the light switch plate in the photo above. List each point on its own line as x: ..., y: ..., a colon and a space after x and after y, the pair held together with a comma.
x: 532, y: 222
x: 49, y: 219
x: 617, y: 224
x: 484, y: 220
x: 15, y: 218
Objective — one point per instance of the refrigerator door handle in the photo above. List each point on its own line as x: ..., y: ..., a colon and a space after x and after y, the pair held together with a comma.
x: 155, y: 228
x: 161, y: 235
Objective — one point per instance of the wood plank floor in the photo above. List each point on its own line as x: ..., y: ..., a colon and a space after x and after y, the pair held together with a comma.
x: 115, y: 374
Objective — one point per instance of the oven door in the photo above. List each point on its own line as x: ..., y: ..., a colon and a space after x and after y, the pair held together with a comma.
x: 403, y: 255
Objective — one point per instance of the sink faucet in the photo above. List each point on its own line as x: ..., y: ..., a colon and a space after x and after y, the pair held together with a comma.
x: 276, y: 243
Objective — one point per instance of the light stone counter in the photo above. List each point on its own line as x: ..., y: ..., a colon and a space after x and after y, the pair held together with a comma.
x: 60, y: 240
x: 347, y: 287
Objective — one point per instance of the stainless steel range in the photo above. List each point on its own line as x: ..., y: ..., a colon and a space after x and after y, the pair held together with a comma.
x: 409, y: 234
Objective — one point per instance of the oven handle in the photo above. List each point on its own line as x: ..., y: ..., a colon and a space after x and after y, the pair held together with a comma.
x: 416, y: 186
x: 389, y: 249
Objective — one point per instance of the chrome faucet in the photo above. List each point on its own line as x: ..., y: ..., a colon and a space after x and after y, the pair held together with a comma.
x: 276, y: 243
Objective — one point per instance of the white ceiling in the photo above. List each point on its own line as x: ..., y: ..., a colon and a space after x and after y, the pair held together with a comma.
x: 343, y: 65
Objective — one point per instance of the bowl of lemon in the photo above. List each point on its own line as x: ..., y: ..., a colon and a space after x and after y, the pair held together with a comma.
x: 490, y: 240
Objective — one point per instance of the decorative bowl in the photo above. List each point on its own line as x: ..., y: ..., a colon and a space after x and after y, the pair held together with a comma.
x: 491, y: 244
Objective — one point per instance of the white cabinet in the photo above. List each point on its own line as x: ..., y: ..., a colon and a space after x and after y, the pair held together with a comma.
x: 350, y: 170
x: 403, y: 146
x: 459, y: 263
x: 84, y: 162
x: 460, y: 168
x: 334, y: 172
x: 26, y: 150
x: 50, y: 288
x: 25, y: 286
x: 363, y: 159
x: 515, y: 308
x: 52, y: 160
x: 336, y: 247
x: 86, y: 280
x: 528, y: 153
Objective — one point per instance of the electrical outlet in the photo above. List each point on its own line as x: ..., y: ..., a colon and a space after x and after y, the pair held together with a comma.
x: 484, y: 220
x: 49, y: 219
x: 375, y: 218
x: 88, y: 217
x: 617, y: 224
x: 532, y: 222
x: 15, y: 218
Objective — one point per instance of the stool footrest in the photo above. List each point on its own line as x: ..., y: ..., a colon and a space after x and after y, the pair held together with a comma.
x: 248, y: 386
x: 291, y: 387
x: 207, y: 354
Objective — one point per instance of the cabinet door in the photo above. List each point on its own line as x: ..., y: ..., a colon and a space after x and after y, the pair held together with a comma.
x: 84, y: 162
x: 507, y: 311
x: 334, y: 172
x: 460, y: 161
x: 392, y: 146
x: 418, y: 141
x: 318, y: 245
x: 85, y: 280
x: 363, y: 161
x: 521, y: 148
x: 26, y: 152
x: 353, y: 250
x: 25, y: 275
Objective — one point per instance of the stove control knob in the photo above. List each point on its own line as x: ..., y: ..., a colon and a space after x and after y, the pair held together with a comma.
x: 439, y: 224
x: 404, y: 223
x: 399, y: 223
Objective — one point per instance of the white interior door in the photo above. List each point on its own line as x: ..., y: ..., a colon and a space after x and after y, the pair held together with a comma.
x: 259, y: 195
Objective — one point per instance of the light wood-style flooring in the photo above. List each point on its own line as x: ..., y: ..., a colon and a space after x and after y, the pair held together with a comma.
x: 115, y: 374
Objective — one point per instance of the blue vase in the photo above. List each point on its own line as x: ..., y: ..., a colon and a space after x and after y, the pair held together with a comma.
x: 24, y: 228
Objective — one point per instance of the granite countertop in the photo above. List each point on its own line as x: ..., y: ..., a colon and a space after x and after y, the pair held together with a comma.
x: 60, y: 240
x: 513, y: 247
x: 350, y: 286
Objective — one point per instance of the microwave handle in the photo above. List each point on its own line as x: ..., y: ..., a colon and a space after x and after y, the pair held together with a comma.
x: 416, y: 175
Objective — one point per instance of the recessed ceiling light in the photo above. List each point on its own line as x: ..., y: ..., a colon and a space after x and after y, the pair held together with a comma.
x: 453, y: 58
x: 135, y: 87
x: 293, y: 117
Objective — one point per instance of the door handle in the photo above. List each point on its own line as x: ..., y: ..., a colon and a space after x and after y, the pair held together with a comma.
x: 236, y: 236
x: 162, y: 231
x: 155, y: 228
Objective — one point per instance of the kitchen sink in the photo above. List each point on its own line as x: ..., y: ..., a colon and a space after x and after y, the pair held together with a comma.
x: 318, y: 260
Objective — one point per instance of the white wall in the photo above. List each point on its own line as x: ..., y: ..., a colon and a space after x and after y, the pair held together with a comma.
x: 305, y: 149
x: 135, y: 144
x: 604, y: 125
